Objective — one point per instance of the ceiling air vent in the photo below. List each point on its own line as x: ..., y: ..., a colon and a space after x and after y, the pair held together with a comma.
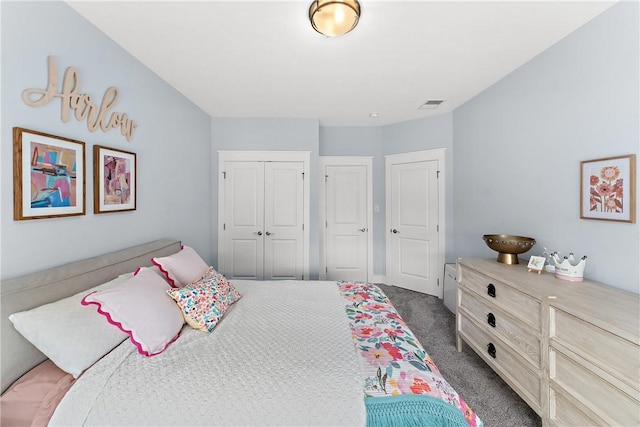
x: 431, y: 104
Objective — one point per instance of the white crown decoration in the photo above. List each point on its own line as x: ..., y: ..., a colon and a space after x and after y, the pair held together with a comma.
x: 568, y: 268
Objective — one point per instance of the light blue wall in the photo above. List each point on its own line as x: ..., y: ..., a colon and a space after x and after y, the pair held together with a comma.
x: 416, y: 135
x: 351, y: 141
x: 261, y: 134
x: 362, y: 141
x: 172, y: 142
x: 518, y: 147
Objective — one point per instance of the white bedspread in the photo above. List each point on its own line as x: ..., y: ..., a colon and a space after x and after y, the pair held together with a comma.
x: 282, y: 355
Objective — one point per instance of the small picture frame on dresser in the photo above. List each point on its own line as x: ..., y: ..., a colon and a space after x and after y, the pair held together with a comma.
x: 536, y: 263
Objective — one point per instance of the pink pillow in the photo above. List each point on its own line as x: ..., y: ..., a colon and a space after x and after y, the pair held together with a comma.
x: 153, y: 268
x: 181, y: 268
x: 141, y: 308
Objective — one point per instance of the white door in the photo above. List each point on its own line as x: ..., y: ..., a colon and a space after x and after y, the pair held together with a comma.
x: 413, y: 213
x: 283, y: 219
x: 263, y: 227
x: 347, y: 230
x: 244, y: 220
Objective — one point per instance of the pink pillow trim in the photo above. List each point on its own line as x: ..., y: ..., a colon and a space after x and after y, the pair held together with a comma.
x: 178, y: 269
x: 119, y: 326
x: 170, y: 279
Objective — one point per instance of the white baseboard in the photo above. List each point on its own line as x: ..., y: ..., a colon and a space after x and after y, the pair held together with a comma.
x: 378, y: 278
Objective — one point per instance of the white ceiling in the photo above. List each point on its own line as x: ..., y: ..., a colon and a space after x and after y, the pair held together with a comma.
x: 263, y: 59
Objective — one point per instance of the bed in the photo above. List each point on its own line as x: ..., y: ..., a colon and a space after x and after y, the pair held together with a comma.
x: 280, y: 353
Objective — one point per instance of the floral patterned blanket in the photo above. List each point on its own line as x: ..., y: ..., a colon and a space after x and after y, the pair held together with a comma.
x: 402, y: 385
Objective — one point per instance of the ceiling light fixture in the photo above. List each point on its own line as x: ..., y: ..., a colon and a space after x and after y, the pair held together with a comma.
x: 334, y: 17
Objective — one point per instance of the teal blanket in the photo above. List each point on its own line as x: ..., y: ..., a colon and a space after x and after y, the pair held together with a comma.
x: 409, y: 410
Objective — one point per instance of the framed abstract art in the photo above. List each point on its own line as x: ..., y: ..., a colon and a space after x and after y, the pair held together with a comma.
x: 114, y: 180
x: 48, y: 175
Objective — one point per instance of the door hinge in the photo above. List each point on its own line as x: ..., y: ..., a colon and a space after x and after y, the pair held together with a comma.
x: 303, y: 277
x: 438, y: 228
x: 224, y: 175
x: 326, y: 269
x: 224, y: 226
x: 438, y: 280
x: 302, y: 175
x: 326, y: 177
x: 438, y: 174
x: 303, y: 226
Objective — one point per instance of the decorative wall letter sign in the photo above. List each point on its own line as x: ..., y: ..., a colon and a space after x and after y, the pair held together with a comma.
x: 81, y: 104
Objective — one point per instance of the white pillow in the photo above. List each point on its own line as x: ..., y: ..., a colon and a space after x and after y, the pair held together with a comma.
x: 141, y: 308
x: 73, y: 337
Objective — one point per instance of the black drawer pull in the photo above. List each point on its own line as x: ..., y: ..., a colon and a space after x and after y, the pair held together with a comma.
x: 491, y: 290
x: 491, y: 349
x: 491, y: 319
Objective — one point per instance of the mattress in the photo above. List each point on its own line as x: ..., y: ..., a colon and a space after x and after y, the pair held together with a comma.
x: 283, y: 355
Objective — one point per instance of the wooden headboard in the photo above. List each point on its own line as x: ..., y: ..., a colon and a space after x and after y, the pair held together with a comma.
x: 17, y: 355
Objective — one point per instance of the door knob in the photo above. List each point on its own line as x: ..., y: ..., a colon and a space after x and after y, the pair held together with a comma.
x: 268, y: 233
x: 363, y: 229
x: 393, y: 230
x: 259, y: 233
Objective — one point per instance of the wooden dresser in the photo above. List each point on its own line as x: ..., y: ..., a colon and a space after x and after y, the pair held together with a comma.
x: 571, y: 350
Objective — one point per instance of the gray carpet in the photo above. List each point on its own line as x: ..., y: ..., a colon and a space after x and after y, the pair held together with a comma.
x: 483, y: 390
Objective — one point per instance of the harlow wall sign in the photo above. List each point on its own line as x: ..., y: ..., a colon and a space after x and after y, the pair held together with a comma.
x: 82, y: 104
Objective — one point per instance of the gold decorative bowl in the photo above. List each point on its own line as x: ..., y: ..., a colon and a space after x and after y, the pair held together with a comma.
x: 508, y: 247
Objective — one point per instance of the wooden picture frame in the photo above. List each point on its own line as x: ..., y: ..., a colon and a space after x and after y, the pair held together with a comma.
x: 114, y: 180
x: 607, y: 189
x: 536, y: 263
x: 48, y: 175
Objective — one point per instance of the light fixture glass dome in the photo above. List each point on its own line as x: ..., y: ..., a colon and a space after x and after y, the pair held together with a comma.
x: 334, y: 17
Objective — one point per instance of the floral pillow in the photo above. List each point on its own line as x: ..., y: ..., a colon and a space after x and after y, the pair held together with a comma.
x: 225, y: 290
x: 204, y: 302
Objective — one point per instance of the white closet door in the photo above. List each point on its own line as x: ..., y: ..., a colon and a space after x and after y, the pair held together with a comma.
x: 413, y: 235
x: 346, y: 217
x: 244, y: 220
x: 283, y: 220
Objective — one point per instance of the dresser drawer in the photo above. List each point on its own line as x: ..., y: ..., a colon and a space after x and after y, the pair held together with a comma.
x: 517, y: 303
x: 514, y: 332
x: 512, y: 368
x: 563, y: 412
x: 592, y: 391
x: 597, y: 346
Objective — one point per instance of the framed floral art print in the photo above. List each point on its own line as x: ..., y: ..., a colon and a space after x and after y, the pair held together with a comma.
x: 607, y: 189
x: 114, y: 180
